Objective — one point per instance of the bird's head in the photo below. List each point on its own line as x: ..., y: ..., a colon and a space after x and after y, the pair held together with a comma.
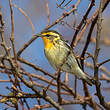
x: 49, y: 37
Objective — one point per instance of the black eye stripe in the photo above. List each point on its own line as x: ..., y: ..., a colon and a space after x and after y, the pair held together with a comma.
x: 47, y: 35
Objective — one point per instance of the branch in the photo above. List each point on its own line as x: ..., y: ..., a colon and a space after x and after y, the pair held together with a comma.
x: 12, y: 31
x: 96, y: 68
x: 24, y: 13
x: 106, y: 61
x: 48, y: 12
x: 81, y: 23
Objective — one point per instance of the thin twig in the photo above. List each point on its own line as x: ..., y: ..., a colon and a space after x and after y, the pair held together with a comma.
x: 104, y: 77
x: 65, y: 102
x: 48, y: 12
x: 24, y: 13
x: 106, y: 61
x: 12, y: 30
x: 26, y: 45
x: 81, y: 23
x: 96, y: 68
x: 60, y: 3
x: 85, y: 27
x: 59, y: 88
x: 63, y: 16
x: 12, y: 39
x: 75, y: 86
x: 66, y: 77
x: 102, y: 68
x: 55, y: 74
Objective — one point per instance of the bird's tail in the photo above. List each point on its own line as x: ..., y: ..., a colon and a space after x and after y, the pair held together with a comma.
x: 85, y: 77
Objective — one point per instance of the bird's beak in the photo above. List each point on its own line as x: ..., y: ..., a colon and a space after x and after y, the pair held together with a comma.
x: 40, y: 35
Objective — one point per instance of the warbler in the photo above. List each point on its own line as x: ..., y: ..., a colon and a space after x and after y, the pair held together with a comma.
x: 60, y: 55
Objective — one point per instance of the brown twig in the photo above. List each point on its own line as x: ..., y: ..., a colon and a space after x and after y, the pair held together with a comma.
x: 24, y: 13
x: 104, y: 77
x: 26, y: 45
x: 75, y: 86
x: 52, y: 90
x: 66, y: 77
x: 60, y: 3
x: 48, y: 12
x: 55, y: 74
x: 12, y: 31
x: 63, y: 16
x: 59, y: 88
x: 64, y: 102
x: 81, y: 23
x: 12, y: 39
x: 96, y: 68
x: 4, y: 81
x: 84, y: 50
x: 39, y: 102
x: 88, y: 41
x: 2, y: 34
x: 67, y: 3
x: 88, y: 21
x: 86, y: 46
x: 102, y: 68
x: 106, y: 61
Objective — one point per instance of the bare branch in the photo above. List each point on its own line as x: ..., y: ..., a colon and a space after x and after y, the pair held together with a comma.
x: 48, y: 12
x: 96, y: 69
x: 24, y: 13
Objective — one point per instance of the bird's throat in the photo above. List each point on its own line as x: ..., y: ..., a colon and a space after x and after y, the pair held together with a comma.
x: 48, y: 44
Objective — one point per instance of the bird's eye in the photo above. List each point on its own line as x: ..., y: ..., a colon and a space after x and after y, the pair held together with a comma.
x: 47, y: 35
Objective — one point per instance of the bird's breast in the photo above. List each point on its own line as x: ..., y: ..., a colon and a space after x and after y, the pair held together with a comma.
x: 52, y: 54
x: 56, y: 55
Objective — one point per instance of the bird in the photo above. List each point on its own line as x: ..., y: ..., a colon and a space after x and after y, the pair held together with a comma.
x: 60, y: 55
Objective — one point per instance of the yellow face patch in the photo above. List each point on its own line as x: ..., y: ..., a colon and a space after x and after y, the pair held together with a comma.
x: 49, y: 38
x: 47, y: 42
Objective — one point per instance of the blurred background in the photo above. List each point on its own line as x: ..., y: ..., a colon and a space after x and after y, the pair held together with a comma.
x: 36, y: 11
